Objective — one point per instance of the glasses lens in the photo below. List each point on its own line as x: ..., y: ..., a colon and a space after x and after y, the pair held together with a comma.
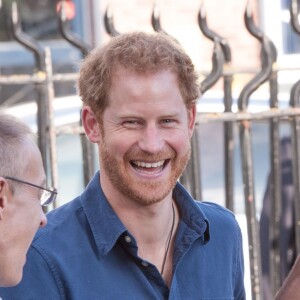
x: 48, y: 197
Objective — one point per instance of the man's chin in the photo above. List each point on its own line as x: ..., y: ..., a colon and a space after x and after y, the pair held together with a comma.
x: 149, y: 195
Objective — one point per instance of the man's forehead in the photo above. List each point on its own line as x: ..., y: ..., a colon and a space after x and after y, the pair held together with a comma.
x: 121, y: 71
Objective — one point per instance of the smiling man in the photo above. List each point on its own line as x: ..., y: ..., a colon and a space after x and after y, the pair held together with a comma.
x: 135, y: 232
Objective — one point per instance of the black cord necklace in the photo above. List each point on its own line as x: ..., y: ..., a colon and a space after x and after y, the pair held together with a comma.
x: 169, y: 241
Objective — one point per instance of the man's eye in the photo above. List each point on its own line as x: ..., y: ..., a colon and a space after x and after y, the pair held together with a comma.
x: 168, y: 121
x: 132, y: 123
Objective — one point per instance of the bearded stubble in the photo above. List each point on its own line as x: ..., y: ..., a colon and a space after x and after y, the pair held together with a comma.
x: 145, y: 192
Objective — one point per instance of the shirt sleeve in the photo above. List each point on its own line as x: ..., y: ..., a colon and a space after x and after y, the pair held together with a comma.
x: 38, y: 282
x: 239, y: 290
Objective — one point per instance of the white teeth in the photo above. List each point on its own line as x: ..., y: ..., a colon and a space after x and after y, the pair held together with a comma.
x: 149, y: 165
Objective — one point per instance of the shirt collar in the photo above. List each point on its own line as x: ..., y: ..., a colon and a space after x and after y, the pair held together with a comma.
x: 107, y: 227
x: 104, y: 222
x: 190, y: 212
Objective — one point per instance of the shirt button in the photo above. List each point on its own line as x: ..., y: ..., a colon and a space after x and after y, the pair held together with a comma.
x: 127, y: 239
x: 145, y: 264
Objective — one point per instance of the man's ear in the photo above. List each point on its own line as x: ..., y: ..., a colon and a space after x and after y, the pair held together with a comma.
x: 4, y: 190
x: 90, y: 124
x: 192, y: 112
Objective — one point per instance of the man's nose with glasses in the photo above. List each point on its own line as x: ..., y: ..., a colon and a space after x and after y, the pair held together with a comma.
x: 48, y: 194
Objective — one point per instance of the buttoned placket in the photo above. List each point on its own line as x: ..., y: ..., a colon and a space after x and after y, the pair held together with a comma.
x: 148, y: 269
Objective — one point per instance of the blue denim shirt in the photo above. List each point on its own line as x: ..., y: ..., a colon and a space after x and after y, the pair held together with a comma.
x: 86, y: 253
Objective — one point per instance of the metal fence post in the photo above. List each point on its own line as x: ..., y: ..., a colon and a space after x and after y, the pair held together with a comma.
x: 88, y: 150
x: 39, y: 55
x: 228, y: 126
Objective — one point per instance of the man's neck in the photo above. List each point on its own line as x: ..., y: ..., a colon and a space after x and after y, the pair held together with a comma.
x: 154, y: 229
x: 148, y: 224
x: 151, y: 227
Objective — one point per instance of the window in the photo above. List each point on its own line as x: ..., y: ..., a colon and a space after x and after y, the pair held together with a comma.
x: 39, y: 21
x: 38, y: 18
x: 290, y: 39
x: 275, y: 21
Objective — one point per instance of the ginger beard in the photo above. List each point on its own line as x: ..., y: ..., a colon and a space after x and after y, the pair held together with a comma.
x: 143, y: 190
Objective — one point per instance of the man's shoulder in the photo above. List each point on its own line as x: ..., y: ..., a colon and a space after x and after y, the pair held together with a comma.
x: 214, y: 208
x: 217, y: 214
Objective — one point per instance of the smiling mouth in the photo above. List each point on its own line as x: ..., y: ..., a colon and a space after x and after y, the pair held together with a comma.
x: 149, y: 167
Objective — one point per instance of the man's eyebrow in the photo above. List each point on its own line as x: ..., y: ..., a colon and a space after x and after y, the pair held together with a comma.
x: 129, y: 116
x: 171, y: 114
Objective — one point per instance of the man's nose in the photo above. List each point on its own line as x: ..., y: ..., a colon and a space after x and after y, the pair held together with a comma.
x: 44, y: 221
x: 151, y: 140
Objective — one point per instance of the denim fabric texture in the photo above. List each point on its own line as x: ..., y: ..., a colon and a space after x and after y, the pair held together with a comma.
x: 86, y: 253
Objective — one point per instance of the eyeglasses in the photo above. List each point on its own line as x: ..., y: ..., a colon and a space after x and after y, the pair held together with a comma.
x: 48, y: 195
